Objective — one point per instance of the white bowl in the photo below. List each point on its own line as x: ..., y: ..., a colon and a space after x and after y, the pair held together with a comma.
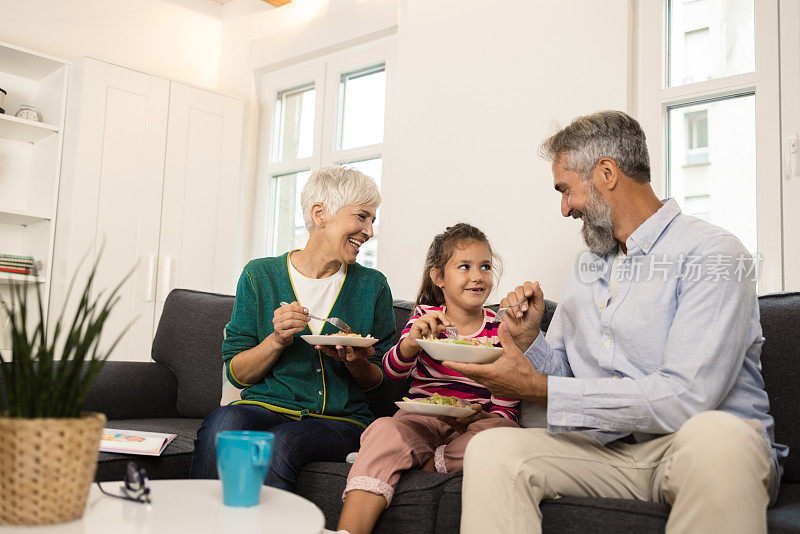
x: 344, y: 341
x: 426, y: 408
x: 460, y: 353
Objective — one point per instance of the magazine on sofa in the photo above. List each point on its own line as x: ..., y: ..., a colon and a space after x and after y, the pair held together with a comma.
x: 134, y: 441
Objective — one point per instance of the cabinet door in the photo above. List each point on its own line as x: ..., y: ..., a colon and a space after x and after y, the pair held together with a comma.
x: 116, y: 195
x: 790, y: 125
x: 201, y: 188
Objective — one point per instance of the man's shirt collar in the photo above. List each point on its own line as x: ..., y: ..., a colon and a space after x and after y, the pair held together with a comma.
x: 650, y: 230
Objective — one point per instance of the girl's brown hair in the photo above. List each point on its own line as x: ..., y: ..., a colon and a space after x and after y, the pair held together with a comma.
x: 439, y: 253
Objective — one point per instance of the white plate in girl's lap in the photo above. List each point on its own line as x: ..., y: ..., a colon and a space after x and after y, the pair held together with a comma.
x: 426, y: 408
x: 344, y: 341
x: 442, y: 349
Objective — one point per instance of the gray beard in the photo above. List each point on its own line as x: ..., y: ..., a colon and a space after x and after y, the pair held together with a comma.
x: 597, y: 230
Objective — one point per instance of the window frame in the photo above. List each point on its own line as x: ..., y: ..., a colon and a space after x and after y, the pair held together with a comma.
x: 653, y: 97
x: 324, y: 72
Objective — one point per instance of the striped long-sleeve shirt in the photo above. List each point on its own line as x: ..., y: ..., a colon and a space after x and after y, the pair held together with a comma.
x: 429, y: 376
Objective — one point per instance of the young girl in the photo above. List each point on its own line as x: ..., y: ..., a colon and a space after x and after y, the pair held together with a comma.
x: 456, y: 282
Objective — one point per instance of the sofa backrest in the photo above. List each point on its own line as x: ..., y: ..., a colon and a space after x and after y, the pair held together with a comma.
x: 189, y: 342
x: 780, y: 361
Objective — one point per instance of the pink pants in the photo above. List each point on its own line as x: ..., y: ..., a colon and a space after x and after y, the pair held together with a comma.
x: 406, y: 441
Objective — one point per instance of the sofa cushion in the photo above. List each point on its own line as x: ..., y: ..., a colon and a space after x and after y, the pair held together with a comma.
x: 596, y: 516
x: 133, y: 390
x: 784, y: 517
x: 189, y: 342
x: 172, y: 463
x: 780, y: 359
x: 414, y: 506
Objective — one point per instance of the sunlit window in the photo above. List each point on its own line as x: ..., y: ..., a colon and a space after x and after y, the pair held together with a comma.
x: 307, y: 135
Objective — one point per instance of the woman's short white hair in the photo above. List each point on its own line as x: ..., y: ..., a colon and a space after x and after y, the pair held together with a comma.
x: 335, y: 187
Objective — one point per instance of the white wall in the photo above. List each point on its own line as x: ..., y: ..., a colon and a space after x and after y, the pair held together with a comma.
x: 479, y: 85
x: 176, y: 38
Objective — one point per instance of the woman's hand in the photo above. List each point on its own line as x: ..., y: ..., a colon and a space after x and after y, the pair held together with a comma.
x: 288, y: 320
x: 523, y: 321
x: 429, y: 325
x: 461, y: 424
x: 346, y: 354
x: 366, y: 374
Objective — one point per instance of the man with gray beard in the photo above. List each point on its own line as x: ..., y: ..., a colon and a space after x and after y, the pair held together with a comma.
x: 650, y: 370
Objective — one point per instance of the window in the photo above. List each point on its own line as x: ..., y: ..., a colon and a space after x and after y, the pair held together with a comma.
x: 709, y: 39
x: 709, y: 110
x: 327, y: 111
x: 696, y: 140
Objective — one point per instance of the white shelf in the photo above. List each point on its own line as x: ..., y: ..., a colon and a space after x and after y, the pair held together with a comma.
x: 9, y: 216
x: 27, y: 63
x: 12, y: 278
x: 18, y: 129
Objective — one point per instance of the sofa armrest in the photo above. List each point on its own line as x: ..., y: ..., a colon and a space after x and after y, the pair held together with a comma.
x: 133, y: 390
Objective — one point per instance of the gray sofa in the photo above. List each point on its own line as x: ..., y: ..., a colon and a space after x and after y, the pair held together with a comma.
x: 182, y: 386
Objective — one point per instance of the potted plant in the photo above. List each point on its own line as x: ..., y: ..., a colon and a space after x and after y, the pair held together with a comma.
x: 48, y: 447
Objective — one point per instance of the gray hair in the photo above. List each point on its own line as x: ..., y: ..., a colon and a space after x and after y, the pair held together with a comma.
x: 588, y: 139
x: 336, y: 187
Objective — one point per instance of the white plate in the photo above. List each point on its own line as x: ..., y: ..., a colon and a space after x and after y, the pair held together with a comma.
x: 424, y: 408
x: 344, y: 341
x: 460, y: 353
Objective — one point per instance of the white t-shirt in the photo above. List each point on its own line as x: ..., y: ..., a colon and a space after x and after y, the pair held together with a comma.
x: 316, y: 294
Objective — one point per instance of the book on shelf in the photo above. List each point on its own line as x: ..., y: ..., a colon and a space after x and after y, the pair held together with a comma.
x: 134, y: 441
x: 16, y: 257
x: 13, y: 270
x: 6, y: 261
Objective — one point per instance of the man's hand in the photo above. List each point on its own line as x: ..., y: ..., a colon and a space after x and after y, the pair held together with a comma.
x: 511, y: 376
x: 523, y: 321
x: 461, y: 424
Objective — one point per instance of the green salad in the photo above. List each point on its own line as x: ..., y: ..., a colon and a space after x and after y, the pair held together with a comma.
x: 462, y: 341
x: 437, y: 399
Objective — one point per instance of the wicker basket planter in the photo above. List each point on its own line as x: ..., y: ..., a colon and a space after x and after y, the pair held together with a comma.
x: 46, y: 467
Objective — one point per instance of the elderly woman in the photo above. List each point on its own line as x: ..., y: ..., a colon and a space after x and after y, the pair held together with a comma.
x: 311, y: 397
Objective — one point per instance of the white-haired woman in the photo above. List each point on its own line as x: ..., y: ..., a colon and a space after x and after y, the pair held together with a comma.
x: 311, y: 398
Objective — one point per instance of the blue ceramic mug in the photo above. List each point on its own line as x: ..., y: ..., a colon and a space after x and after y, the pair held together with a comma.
x: 242, y: 463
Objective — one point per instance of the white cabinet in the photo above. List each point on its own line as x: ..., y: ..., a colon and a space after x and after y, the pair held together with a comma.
x: 151, y: 171
x: 30, y: 159
x: 199, y: 208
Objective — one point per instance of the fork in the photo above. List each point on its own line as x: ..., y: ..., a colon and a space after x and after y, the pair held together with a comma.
x: 451, y: 332
x: 502, y: 311
x: 334, y: 321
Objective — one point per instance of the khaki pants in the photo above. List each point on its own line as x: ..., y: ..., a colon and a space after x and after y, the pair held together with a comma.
x: 716, y: 471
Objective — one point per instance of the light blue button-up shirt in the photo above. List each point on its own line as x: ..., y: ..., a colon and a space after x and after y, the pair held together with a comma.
x: 681, y: 336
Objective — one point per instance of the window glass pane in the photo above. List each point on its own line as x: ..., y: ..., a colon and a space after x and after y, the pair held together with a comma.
x: 712, y: 163
x: 289, y: 228
x: 362, y: 98
x: 294, y: 123
x: 709, y: 39
x: 368, y: 256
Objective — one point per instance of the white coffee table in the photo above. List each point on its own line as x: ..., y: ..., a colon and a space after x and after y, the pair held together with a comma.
x: 189, y: 506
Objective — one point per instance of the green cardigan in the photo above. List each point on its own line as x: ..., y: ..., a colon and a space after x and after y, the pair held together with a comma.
x: 304, y: 382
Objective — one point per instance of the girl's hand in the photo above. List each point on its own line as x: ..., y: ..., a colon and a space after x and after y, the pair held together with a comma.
x: 523, y: 321
x: 429, y: 325
x: 461, y: 424
x: 287, y: 321
x: 346, y: 354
